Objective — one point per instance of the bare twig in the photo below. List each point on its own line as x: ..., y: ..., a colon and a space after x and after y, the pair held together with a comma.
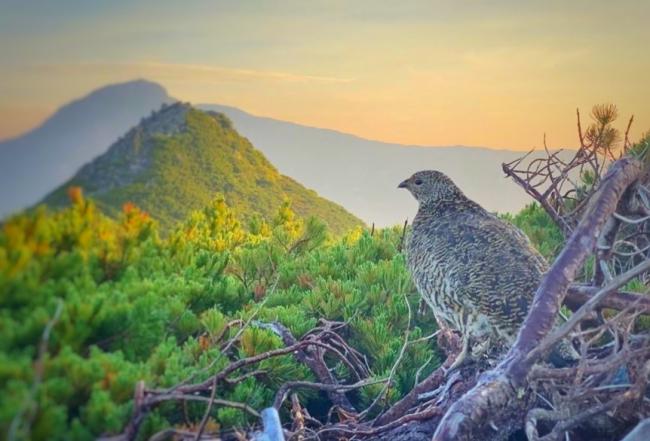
x: 588, y: 307
x: 282, y: 393
x: 398, y: 360
x: 403, y: 237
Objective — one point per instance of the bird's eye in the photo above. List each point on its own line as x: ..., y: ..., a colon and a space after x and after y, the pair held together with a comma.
x: 418, y: 182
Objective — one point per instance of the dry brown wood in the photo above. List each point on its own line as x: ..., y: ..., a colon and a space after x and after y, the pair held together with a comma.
x: 578, y: 295
x: 401, y: 408
x: 312, y: 357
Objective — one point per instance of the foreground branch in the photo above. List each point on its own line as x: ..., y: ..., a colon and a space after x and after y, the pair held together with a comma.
x: 578, y: 295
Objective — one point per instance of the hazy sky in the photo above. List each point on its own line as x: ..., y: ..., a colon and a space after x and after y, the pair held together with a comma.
x: 492, y: 73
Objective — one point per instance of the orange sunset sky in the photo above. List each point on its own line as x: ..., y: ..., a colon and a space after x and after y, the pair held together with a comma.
x: 496, y: 74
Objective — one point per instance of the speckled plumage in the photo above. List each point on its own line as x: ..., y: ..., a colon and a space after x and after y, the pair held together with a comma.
x: 477, y: 273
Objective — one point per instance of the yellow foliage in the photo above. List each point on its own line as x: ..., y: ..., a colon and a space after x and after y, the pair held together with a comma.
x: 75, y: 194
x: 353, y: 236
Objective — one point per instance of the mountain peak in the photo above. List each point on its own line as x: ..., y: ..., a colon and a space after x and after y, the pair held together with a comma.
x: 103, y: 101
x: 79, y: 131
x: 167, y: 120
x: 179, y: 158
x: 140, y: 87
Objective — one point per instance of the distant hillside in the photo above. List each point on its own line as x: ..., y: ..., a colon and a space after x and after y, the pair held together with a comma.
x: 357, y: 173
x: 33, y: 164
x: 179, y: 158
x: 362, y: 175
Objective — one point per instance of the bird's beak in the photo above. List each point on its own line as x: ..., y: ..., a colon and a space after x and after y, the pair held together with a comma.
x: 403, y: 184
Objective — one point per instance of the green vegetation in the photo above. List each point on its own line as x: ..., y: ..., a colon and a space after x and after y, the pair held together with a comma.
x: 175, y: 162
x: 545, y: 236
x: 125, y: 304
x: 134, y: 306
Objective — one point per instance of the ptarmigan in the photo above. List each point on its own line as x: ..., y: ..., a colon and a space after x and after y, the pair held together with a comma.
x: 477, y: 273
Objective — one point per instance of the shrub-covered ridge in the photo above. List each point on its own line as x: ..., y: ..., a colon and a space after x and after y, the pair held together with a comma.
x: 176, y: 160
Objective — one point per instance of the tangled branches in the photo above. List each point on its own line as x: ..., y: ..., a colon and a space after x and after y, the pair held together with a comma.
x: 310, y: 349
x: 606, y: 391
x: 563, y: 187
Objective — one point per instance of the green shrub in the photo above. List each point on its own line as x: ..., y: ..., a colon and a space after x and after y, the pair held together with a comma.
x: 139, y: 307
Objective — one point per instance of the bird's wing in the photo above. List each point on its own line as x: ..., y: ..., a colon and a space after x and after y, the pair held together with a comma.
x: 497, y: 269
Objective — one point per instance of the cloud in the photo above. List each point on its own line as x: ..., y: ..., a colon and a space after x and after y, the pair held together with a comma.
x: 180, y: 71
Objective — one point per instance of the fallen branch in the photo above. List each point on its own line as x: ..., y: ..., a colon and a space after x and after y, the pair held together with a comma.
x: 284, y: 390
x: 578, y: 295
x: 547, y: 343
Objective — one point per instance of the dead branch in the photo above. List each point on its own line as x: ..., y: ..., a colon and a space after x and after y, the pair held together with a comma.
x: 309, y: 350
x: 400, y: 247
x: 298, y: 416
x: 430, y: 383
x: 398, y: 360
x: 146, y: 400
x: 552, y: 182
x: 578, y: 294
x: 284, y: 390
x: 313, y: 357
x: 547, y: 343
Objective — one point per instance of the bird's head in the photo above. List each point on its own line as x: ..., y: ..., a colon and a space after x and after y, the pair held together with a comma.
x: 431, y: 186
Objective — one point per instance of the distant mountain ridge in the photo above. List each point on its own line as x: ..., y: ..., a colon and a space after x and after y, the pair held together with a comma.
x: 362, y: 175
x: 33, y: 164
x: 179, y: 158
x: 357, y: 173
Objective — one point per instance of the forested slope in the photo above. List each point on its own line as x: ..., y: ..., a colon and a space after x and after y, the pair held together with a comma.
x: 176, y: 160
